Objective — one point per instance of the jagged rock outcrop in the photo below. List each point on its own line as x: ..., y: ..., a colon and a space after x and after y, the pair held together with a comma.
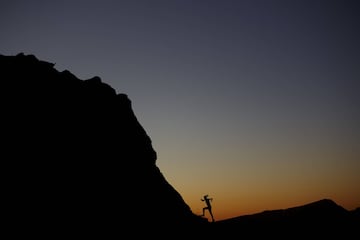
x: 77, y: 159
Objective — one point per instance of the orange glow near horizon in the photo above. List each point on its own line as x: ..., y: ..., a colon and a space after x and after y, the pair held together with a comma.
x: 248, y: 188
x: 254, y: 202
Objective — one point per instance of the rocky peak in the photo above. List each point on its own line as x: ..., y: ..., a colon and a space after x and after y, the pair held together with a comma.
x: 76, y: 157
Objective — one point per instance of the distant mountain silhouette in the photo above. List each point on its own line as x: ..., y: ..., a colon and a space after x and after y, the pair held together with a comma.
x: 323, y: 218
x: 76, y: 162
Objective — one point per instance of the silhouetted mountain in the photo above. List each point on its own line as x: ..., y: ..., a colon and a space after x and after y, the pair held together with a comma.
x: 322, y: 218
x: 77, y: 159
x: 76, y: 162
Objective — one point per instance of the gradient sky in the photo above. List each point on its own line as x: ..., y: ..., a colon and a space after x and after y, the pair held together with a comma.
x: 255, y: 103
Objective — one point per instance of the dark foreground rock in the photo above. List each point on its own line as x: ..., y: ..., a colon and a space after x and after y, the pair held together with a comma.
x: 76, y: 159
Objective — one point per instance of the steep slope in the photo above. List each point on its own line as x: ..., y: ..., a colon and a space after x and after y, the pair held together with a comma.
x: 77, y: 159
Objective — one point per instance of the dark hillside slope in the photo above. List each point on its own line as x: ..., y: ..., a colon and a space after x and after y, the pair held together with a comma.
x: 77, y: 159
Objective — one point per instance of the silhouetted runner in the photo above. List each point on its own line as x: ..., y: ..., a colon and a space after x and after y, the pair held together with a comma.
x: 208, y: 206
